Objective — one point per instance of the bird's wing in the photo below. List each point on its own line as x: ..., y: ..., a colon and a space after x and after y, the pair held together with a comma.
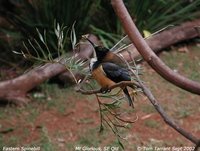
x: 115, y: 72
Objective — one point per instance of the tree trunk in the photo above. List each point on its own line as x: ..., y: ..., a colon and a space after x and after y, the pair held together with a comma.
x: 15, y: 90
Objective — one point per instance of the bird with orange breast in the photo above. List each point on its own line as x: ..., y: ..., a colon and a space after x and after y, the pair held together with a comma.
x: 107, y: 73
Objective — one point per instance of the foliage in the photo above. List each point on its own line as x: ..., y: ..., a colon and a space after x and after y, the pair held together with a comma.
x: 27, y: 16
x: 91, y: 16
x: 96, y: 16
x: 148, y: 15
x: 157, y: 14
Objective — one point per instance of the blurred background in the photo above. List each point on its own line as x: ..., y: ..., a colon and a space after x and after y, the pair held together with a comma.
x: 58, y: 118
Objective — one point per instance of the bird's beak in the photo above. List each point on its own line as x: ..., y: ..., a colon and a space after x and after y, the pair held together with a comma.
x: 94, y: 45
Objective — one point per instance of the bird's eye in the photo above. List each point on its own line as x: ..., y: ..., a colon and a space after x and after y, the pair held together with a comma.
x: 100, y: 48
x: 103, y: 49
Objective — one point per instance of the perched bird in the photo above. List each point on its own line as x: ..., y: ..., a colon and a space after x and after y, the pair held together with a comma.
x: 108, y: 74
x: 106, y: 70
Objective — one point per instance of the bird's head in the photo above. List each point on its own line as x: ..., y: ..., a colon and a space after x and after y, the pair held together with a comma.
x: 100, y: 51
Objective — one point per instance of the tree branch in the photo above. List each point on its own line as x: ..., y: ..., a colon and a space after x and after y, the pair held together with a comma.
x: 148, y: 54
x: 161, y: 111
x: 120, y: 84
x: 15, y: 90
x: 166, y: 38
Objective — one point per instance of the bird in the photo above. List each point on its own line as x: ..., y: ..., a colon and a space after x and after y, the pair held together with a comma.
x: 106, y: 69
x: 108, y: 74
x: 105, y: 55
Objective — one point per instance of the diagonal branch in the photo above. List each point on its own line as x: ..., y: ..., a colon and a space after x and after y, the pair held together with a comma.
x: 148, y: 54
x: 15, y: 90
x: 161, y: 111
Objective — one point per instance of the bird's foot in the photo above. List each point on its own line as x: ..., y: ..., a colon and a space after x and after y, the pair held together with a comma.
x: 105, y: 90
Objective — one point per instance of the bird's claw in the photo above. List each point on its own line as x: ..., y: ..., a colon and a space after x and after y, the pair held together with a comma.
x: 105, y: 90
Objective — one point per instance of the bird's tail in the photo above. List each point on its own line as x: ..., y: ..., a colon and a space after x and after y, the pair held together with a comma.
x: 130, y: 101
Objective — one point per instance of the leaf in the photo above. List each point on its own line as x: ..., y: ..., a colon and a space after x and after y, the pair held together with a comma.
x: 18, y: 53
x: 30, y: 43
x: 24, y: 55
x: 7, y: 130
x: 112, y: 105
x: 58, y: 27
x: 146, y: 33
x: 40, y: 49
x: 73, y: 36
x: 101, y: 129
x: 40, y: 36
x: 120, y: 144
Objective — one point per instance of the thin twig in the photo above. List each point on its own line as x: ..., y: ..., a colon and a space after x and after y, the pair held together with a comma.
x: 197, y: 146
x: 117, y: 116
x: 118, y: 42
x: 100, y: 112
x: 116, y: 133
